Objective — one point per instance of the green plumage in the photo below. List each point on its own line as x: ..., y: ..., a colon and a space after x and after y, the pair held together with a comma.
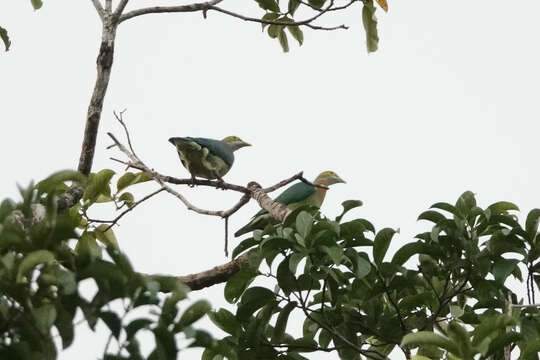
x: 294, y: 196
x: 207, y: 158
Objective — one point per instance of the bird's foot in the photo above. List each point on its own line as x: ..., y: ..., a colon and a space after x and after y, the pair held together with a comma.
x: 220, y: 184
x: 192, y: 185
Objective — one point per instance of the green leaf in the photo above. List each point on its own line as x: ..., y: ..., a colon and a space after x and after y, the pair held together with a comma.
x: 285, y: 277
x: 281, y: 322
x: 44, y: 317
x: 317, y: 3
x: 293, y: 5
x: 130, y: 178
x: 531, y: 224
x: 37, y: 4
x: 236, y: 285
x: 502, y: 268
x: 304, y: 222
x: 32, y: 260
x: 462, y: 338
x: 456, y: 311
x: 226, y: 321
x: 501, y: 207
x: 465, y: 203
x: 362, y: 266
x: 429, y: 338
x: 271, y: 5
x: 433, y: 216
x: 127, y: 198
x: 49, y: 184
x: 5, y: 38
x: 347, y: 206
x: 112, y: 321
x: 193, y: 313
x: 97, y: 184
x: 445, y: 206
x: 488, y: 325
x: 135, y: 325
x: 370, y: 26
x: 296, y: 33
x: 106, y: 236
x: 64, y: 324
x: 273, y: 31
x: 335, y: 253
x: 253, y: 299
x: 271, y: 16
x: 294, y: 260
x: 282, y: 37
x: 381, y: 244
x: 88, y: 248
x: 244, y: 245
x: 408, y: 250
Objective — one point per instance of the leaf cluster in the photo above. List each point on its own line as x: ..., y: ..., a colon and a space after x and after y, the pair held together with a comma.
x: 46, y: 255
x: 442, y: 296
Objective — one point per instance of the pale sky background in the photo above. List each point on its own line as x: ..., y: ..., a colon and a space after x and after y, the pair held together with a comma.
x: 449, y: 103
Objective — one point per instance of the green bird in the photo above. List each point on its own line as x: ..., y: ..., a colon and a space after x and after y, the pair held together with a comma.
x: 294, y: 196
x: 207, y: 158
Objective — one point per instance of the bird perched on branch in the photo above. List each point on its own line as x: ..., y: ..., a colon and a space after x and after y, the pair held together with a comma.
x: 207, y: 158
x: 294, y: 196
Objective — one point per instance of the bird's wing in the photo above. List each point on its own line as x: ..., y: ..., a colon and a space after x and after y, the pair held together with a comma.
x: 217, y: 148
x: 293, y: 194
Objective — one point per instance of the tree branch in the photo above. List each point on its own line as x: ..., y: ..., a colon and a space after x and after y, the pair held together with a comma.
x: 99, y: 9
x: 120, y: 8
x: 211, y: 5
x: 169, y: 9
x: 216, y: 275
x: 307, y: 22
x: 104, y: 64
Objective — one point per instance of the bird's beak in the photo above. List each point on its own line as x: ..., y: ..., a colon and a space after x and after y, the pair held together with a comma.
x: 171, y: 140
x: 340, y: 180
x: 247, y: 144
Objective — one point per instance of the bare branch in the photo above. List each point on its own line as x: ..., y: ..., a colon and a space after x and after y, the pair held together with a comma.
x: 169, y: 9
x: 120, y: 118
x: 99, y: 9
x: 211, y: 5
x: 216, y: 275
x: 104, y: 64
x: 277, y: 210
x: 120, y: 8
x: 116, y: 219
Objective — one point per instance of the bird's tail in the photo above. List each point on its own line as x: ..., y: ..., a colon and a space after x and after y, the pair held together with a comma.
x: 183, y: 143
x: 244, y: 230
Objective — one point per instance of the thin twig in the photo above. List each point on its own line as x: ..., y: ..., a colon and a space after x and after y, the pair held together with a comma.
x: 306, y: 22
x: 120, y: 119
x: 226, y: 237
x: 116, y: 219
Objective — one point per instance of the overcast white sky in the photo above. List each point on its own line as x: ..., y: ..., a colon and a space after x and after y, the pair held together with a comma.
x: 449, y: 103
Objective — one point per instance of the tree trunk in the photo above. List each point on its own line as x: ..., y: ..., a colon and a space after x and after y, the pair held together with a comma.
x: 104, y: 64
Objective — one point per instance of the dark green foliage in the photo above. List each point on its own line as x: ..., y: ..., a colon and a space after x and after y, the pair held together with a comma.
x: 452, y: 299
x: 444, y: 295
x: 5, y: 38
x: 40, y: 275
